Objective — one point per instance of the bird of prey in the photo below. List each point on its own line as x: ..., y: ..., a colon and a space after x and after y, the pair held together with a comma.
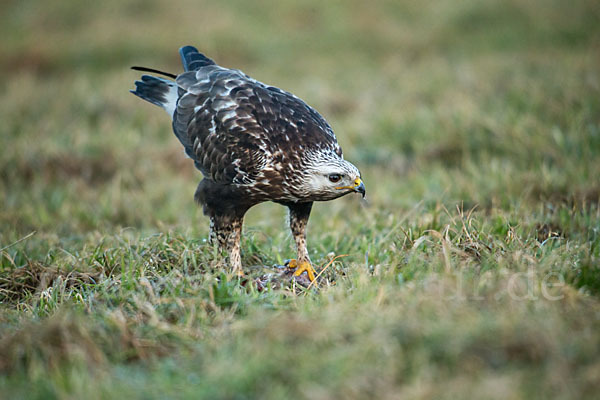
x: 253, y: 143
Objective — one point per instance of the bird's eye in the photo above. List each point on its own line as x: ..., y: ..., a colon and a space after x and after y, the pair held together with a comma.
x: 335, y: 178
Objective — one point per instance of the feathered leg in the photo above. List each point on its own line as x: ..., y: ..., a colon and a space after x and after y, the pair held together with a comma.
x: 299, y: 214
x: 226, y: 232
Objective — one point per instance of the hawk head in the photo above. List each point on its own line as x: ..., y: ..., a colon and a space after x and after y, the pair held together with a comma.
x: 328, y: 176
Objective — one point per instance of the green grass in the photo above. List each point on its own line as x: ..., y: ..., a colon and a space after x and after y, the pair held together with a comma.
x: 472, y: 271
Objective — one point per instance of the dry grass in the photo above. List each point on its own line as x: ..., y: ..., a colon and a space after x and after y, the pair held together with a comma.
x: 472, y: 271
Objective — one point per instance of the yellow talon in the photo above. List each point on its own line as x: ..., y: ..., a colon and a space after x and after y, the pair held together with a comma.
x: 305, y: 266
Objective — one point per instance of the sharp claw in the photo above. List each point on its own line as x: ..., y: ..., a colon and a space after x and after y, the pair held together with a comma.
x: 305, y: 266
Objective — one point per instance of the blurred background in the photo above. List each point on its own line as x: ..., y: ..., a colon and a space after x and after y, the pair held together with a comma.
x: 481, y: 102
x: 475, y: 123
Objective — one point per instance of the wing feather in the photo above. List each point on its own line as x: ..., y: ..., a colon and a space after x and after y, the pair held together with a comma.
x: 236, y: 128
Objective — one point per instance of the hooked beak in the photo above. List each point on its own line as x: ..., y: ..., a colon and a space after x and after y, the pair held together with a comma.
x: 358, y: 187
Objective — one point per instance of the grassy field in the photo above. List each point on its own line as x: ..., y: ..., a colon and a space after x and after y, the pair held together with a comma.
x: 472, y: 270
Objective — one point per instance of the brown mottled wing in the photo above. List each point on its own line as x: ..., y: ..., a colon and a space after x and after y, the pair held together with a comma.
x: 238, y: 130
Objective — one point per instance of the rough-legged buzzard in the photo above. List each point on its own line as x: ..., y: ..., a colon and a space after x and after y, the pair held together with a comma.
x: 253, y: 143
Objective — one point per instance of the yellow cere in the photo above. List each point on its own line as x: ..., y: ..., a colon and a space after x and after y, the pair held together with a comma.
x: 357, y: 183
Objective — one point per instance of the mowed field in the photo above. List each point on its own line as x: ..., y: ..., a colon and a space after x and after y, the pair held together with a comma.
x: 472, y: 270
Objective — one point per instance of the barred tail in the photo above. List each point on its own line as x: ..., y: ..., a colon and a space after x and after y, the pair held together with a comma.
x: 158, y: 91
x: 164, y: 92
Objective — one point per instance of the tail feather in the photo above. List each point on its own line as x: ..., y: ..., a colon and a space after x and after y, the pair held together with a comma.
x: 156, y: 71
x: 158, y: 91
x: 164, y: 92
x: 192, y: 59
